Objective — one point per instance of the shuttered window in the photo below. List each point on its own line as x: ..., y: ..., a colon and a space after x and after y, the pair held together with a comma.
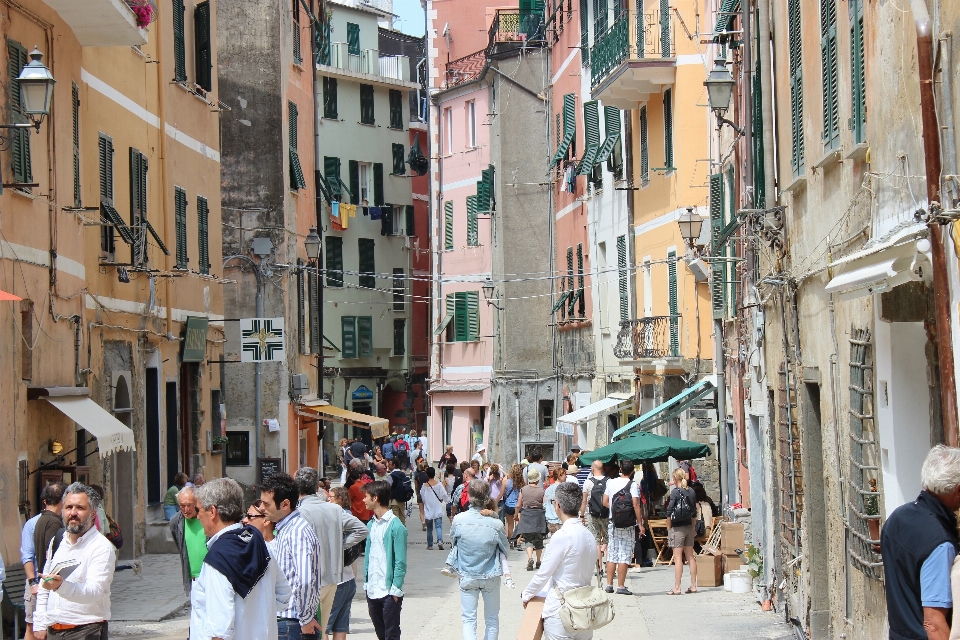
x: 571, y: 284
x: 399, y: 336
x: 674, y: 309
x: 330, y: 98
x: 665, y: 44
x: 396, y: 109
x: 399, y: 165
x: 296, y: 171
x: 301, y: 275
x: 399, y: 290
x: 19, y: 138
x: 348, y: 337
x: 591, y: 132
x: 717, y: 288
x: 180, y: 218
x: 77, y: 192
x: 105, y: 151
x: 584, y: 35
x: 581, y: 298
x: 179, y: 42
x: 357, y: 194
x: 353, y: 39
x: 466, y: 316
x: 411, y: 220
x: 378, y: 198
x: 485, y: 192
x: 334, y: 258
x: 448, y: 225
x: 668, y: 129
x: 794, y: 36
x: 331, y: 176
x: 610, y: 150
x: 313, y: 297
x: 364, y: 336
x: 858, y: 74
x: 600, y: 18
x: 829, y: 67
x: 644, y: 147
x: 622, y: 278
x: 366, y: 250
x: 569, y: 128
x: 203, y: 46
x: 367, y: 115
x: 138, y: 206
x: 297, y: 53
x: 473, y: 237
x: 203, y: 233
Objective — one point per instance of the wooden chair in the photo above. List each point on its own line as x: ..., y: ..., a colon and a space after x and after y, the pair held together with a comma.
x: 659, y: 532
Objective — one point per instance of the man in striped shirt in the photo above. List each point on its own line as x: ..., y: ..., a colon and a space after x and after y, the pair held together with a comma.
x: 297, y: 552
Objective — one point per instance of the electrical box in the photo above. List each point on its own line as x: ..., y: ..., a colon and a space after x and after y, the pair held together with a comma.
x: 299, y: 385
x: 699, y: 269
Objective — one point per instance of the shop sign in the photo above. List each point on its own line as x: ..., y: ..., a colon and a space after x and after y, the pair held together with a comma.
x: 362, y: 393
x: 195, y: 342
x: 261, y: 340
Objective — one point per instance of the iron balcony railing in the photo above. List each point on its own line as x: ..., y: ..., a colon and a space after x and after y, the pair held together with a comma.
x: 648, y: 338
x: 633, y: 34
x: 516, y: 25
x: 368, y: 61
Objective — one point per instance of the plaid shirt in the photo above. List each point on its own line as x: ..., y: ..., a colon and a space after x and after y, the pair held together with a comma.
x: 297, y: 552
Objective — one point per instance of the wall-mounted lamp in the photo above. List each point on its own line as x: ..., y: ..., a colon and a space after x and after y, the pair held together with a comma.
x: 35, y: 84
x: 312, y: 245
x: 719, y: 86
x: 488, y: 293
x: 691, y: 223
x: 55, y: 447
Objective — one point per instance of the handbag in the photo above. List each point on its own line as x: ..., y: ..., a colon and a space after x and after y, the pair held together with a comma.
x: 585, y: 609
x: 114, y: 535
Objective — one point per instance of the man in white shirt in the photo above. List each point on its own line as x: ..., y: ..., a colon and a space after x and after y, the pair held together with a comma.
x: 385, y: 562
x: 240, y: 588
x: 622, y: 539
x: 536, y: 462
x: 77, y: 607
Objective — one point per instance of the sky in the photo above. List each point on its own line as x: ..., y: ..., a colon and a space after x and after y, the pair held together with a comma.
x: 411, y: 17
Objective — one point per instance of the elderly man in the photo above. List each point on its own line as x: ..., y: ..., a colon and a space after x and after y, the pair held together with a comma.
x: 240, y: 588
x: 479, y: 541
x: 77, y: 607
x: 189, y: 537
x: 918, y: 545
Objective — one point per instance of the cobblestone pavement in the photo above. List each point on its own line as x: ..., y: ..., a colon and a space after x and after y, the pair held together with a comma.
x: 151, y: 604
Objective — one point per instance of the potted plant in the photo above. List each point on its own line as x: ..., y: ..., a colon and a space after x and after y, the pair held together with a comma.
x: 218, y: 443
x: 755, y: 568
x: 871, y: 507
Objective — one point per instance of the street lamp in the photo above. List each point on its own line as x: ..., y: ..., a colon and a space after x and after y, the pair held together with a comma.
x: 312, y: 245
x: 690, y: 225
x: 719, y: 86
x: 488, y: 291
x: 35, y: 83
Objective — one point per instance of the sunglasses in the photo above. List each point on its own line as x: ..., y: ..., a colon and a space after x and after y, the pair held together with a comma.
x: 253, y: 516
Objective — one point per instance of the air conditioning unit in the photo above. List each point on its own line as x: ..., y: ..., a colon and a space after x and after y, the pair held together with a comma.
x: 299, y: 385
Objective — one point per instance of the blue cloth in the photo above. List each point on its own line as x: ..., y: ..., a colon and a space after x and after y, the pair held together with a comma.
x: 480, y: 541
x: 339, y: 620
x: 375, y: 213
x: 170, y: 510
x: 512, y: 495
x: 387, y: 450
x: 548, y: 504
x: 241, y: 556
x: 470, y: 591
x: 27, y: 551
x: 288, y: 629
x: 436, y: 524
x: 935, y: 577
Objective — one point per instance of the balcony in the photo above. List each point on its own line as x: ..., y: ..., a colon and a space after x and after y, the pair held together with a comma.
x: 646, y: 339
x: 368, y: 64
x: 513, y: 29
x: 633, y: 58
x: 102, y: 23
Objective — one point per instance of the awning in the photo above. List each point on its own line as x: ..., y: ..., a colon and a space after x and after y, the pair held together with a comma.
x: 669, y: 409
x: 9, y: 296
x: 897, y: 259
x: 472, y: 387
x: 380, y: 427
x: 111, y: 434
x: 591, y: 411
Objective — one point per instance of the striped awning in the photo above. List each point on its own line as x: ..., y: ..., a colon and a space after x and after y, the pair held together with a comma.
x: 669, y: 409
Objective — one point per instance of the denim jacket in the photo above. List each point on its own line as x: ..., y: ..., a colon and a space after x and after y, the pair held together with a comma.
x: 479, y: 541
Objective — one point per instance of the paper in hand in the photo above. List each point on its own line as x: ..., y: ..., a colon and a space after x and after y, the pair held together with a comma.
x: 64, y: 568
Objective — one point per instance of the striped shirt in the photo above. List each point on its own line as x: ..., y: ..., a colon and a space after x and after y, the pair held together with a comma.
x: 297, y: 552
x: 582, y: 474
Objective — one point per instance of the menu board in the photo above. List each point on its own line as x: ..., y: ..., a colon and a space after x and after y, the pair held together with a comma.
x: 269, y: 467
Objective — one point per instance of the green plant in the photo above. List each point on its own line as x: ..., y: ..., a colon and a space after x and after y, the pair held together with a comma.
x: 871, y: 503
x: 220, y: 440
x: 754, y: 561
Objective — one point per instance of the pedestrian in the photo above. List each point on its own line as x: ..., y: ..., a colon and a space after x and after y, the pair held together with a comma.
x: 256, y: 517
x: 596, y: 512
x: 189, y: 537
x: 419, y: 478
x: 536, y: 462
x: 477, y: 470
x: 478, y: 457
x: 418, y: 452
x: 423, y: 444
x: 495, y: 480
x: 170, y: 505
x: 77, y: 607
x: 401, y: 492
x: 919, y: 545
x: 433, y: 498
x: 549, y: 497
x: 338, y: 622
x: 583, y: 472
x: 50, y: 522
x: 531, y: 518
x: 378, y: 457
x: 354, y: 486
x: 567, y: 564
x: 459, y: 501
x: 681, y: 511
x: 385, y: 562
x: 240, y: 587
x: 297, y: 552
x: 511, y: 494
x: 622, y: 497
x: 479, y: 543
x: 343, y: 461
x: 196, y: 481
x: 380, y: 471
x: 401, y: 454
x: 28, y: 555
x: 448, y: 457
x: 333, y: 531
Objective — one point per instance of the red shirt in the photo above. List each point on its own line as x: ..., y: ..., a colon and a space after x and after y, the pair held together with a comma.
x: 356, y: 502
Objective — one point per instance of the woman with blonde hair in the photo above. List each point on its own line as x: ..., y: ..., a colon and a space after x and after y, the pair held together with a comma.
x: 680, y: 514
x: 511, y: 493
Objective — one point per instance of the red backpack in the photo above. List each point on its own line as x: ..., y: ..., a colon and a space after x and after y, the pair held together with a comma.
x: 401, y: 445
x: 464, y: 498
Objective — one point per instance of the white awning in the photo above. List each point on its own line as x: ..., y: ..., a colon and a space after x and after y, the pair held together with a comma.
x: 883, y: 267
x: 590, y: 411
x: 111, y: 434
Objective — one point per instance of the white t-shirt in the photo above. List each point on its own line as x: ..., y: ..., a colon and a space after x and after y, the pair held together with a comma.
x: 616, y: 484
x: 588, y: 483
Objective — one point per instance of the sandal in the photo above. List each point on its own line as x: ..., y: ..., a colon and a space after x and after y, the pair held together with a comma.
x: 691, y: 590
x: 674, y: 592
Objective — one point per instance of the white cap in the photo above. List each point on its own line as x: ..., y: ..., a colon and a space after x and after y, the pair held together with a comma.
x: 480, y: 448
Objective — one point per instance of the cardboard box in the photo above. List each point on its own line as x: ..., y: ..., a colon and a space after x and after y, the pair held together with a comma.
x: 731, y: 563
x: 731, y: 537
x: 709, y: 570
x: 531, y: 626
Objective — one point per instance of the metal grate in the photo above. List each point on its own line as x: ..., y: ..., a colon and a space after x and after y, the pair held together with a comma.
x: 23, y: 476
x: 863, y: 498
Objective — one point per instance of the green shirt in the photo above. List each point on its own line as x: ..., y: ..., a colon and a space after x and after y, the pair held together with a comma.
x: 170, y: 497
x: 196, y: 543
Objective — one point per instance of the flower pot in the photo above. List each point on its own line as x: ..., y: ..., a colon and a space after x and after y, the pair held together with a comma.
x: 874, y: 528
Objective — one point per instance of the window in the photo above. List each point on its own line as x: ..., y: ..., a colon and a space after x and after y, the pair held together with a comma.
x: 668, y: 129
x: 364, y: 171
x: 203, y: 58
x: 330, y: 98
x: 571, y: 284
x: 448, y: 129
x: 472, y: 124
x: 569, y: 129
x: 623, y: 278
x: 612, y: 149
x: 672, y: 298
x: 396, y: 220
x: 138, y: 205
x: 19, y: 138
x: 448, y: 225
x: 297, y: 53
x: 486, y: 198
x: 399, y: 336
x: 331, y: 176
x: 399, y: 290
x: 462, y: 319
x: 796, y: 86
x: 366, y: 104
x: 396, y: 109
x: 473, y: 238
x: 180, y: 217
x: 399, y: 163
x: 356, y: 336
x: 446, y: 420
x: 353, y: 39
x: 858, y: 74
x: 411, y: 221
x: 546, y: 414
x: 334, y: 258
x: 599, y: 18
x: 366, y: 249
x: 203, y: 234
x: 591, y: 133
x: 23, y: 475
x: 581, y: 298
x: 829, y: 69
x: 179, y: 42
x: 26, y: 330
x: 77, y: 194
x: 107, y: 239
x: 238, y: 448
x: 378, y: 184
x: 296, y: 171
x: 313, y: 299
x: 301, y: 308
x: 644, y: 148
x: 584, y: 35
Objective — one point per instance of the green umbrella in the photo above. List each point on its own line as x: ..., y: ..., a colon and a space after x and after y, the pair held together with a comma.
x: 644, y: 446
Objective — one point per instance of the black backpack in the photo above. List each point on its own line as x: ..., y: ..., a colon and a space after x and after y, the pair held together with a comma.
x: 621, y: 508
x: 595, y: 502
x: 401, y: 490
x: 682, y: 509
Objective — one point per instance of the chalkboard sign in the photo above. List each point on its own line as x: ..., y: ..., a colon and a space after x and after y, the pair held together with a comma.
x: 269, y: 467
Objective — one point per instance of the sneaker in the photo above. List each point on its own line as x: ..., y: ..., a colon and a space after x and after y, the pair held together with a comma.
x: 608, y: 588
x: 530, y: 564
x: 509, y: 583
x: 449, y: 572
x: 623, y: 591
x: 429, y: 547
x: 440, y: 546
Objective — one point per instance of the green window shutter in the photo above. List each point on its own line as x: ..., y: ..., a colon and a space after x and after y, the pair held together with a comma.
x: 561, y: 302
x: 399, y: 336
x: 353, y: 39
x: 759, y: 175
x: 623, y: 275
x: 105, y: 152
x: 180, y: 218
x: 584, y: 35
x: 411, y: 220
x: 77, y: 195
x: 472, y: 304
x: 668, y: 128
x: 364, y: 336
x: 582, y: 308
x: 829, y: 68
x: 600, y: 19
x: 138, y: 206
x: 717, y: 289
x: 297, y: 53
x: 858, y: 76
x: 571, y: 288
x: 591, y: 132
x: 313, y: 296
x: 334, y: 258
x: 330, y: 98
x: 447, y: 317
x: 366, y: 250
x: 473, y: 238
x: 203, y: 57
x: 367, y: 113
x: 301, y: 308
x: 665, y: 44
x: 19, y: 138
x: 331, y: 176
x: 569, y: 128
x: 296, y: 171
x: 461, y: 317
x: 179, y: 42
x: 354, y: 167
x: 399, y: 165
x: 644, y: 147
x: 396, y: 109
x: 674, y: 311
x: 378, y: 199
x: 485, y: 194
x: 611, y: 126
x: 348, y: 337
x: 641, y: 30
x: 448, y: 225
x: 203, y: 218
x: 794, y: 38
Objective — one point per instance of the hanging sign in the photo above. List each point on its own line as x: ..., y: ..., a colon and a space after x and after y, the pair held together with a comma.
x: 261, y: 340
x: 195, y: 341
x: 362, y: 393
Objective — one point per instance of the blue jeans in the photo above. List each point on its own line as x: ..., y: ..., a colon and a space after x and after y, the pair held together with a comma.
x: 470, y: 591
x: 169, y: 511
x: 288, y: 629
x: 431, y: 525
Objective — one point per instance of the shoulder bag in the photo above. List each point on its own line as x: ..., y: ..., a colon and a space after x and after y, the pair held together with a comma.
x: 585, y: 609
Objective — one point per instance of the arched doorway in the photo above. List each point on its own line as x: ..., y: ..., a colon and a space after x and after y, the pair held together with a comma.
x: 123, y: 476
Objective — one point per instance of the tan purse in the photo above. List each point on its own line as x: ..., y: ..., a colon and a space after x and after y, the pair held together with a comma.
x: 585, y: 609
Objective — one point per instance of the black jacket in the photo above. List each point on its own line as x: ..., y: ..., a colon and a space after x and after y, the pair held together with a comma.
x: 909, y: 535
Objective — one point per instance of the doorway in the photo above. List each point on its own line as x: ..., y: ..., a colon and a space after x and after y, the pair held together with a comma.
x: 173, y: 432
x: 124, y: 500
x: 153, y: 444
x: 815, y: 516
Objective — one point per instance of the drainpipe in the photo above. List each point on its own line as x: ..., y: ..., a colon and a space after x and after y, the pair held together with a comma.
x: 721, y: 409
x: 946, y: 101
x: 941, y: 290
x: 766, y: 95
x: 317, y: 177
x: 516, y: 394
x: 257, y: 379
x: 164, y: 190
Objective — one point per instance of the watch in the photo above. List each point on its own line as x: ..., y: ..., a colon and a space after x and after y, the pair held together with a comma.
x: 34, y: 581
